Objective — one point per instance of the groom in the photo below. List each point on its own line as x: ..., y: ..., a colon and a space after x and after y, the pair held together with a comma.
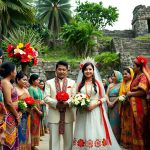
x: 52, y: 87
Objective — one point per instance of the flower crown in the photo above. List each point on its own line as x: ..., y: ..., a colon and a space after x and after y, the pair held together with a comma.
x: 86, y: 60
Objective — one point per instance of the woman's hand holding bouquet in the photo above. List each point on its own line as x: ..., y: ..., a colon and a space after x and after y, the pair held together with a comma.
x: 81, y: 101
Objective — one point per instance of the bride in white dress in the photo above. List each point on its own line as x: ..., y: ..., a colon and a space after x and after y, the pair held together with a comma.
x: 92, y: 128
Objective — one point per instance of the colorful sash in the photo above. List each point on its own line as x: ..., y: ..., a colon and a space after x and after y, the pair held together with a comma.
x: 62, y: 112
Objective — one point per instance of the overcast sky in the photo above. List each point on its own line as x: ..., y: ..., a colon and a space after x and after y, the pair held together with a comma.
x: 125, y: 9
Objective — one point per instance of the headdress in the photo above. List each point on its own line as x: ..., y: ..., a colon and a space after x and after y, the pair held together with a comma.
x: 124, y: 89
x: 96, y: 73
x: 86, y: 60
x: 141, y: 60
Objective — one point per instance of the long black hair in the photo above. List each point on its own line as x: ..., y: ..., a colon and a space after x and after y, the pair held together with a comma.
x: 84, y: 78
x: 6, y: 68
x: 33, y: 77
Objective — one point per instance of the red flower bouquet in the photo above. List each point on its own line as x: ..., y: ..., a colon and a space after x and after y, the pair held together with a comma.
x: 62, y: 96
x: 22, y: 53
x: 30, y: 102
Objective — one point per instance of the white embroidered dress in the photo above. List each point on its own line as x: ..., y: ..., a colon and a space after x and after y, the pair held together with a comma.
x: 89, y: 128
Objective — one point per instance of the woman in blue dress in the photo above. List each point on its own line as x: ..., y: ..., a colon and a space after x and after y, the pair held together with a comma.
x: 112, y: 101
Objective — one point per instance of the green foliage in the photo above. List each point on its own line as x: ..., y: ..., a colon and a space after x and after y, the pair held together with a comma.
x: 143, y: 38
x: 107, y: 61
x: 14, y: 13
x: 60, y: 52
x: 54, y: 13
x: 80, y: 35
x: 97, y: 14
x: 22, y: 106
x: 23, y: 35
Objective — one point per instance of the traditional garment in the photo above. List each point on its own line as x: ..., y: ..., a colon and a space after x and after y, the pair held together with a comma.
x: 125, y: 114
x: 35, y: 117
x: 2, y: 116
x: 139, y: 113
x: 44, y: 116
x: 92, y: 128
x: 54, y: 114
x: 24, y: 133
x: 113, y: 113
x: 43, y: 109
x: 11, y: 134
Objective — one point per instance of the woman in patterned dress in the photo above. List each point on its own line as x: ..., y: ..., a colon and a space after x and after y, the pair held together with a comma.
x: 139, y: 110
x: 36, y: 113
x: 24, y: 133
x: 92, y: 128
x: 8, y: 72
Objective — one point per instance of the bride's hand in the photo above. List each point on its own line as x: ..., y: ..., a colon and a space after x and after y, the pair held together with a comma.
x: 92, y: 106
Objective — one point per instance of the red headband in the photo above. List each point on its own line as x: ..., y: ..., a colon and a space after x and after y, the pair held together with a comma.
x: 141, y: 60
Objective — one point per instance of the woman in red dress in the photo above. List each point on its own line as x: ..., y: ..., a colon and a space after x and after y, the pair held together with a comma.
x: 138, y: 103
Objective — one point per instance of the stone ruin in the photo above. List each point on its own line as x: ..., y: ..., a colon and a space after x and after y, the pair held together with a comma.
x: 123, y: 43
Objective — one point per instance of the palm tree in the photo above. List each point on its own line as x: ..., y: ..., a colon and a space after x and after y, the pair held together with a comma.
x: 13, y: 13
x: 54, y: 13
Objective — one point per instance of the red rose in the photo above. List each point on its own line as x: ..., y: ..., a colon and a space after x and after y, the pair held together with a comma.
x: 27, y: 45
x: 29, y: 101
x: 9, y: 48
x: 81, y: 66
x: 35, y: 61
x: 81, y: 143
x: 11, y: 54
x: 62, y: 96
x: 24, y: 58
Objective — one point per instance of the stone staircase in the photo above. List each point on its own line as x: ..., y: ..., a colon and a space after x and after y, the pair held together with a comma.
x: 129, y: 48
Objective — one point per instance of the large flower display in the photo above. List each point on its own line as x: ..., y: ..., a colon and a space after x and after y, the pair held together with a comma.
x: 23, y: 53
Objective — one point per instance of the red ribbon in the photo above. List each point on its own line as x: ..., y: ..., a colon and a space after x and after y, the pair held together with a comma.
x: 104, y: 120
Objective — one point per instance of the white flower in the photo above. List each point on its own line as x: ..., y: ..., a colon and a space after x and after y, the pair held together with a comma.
x: 122, y: 98
x: 76, y: 102
x: 25, y: 104
x: 83, y: 102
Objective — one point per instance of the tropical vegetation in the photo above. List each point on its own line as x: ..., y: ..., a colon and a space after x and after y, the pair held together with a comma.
x: 14, y: 13
x: 97, y: 14
x: 54, y: 14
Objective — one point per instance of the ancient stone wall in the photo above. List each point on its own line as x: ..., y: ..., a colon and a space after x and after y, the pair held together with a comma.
x: 141, y: 15
x: 119, y: 33
x: 129, y: 48
x: 46, y: 70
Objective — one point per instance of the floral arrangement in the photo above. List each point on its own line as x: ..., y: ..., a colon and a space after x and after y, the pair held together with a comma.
x: 80, y: 101
x: 22, y: 106
x: 30, y: 102
x: 62, y: 96
x: 122, y: 98
x: 23, y: 53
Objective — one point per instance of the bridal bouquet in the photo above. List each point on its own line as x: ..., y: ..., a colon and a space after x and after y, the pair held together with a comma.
x: 22, y: 53
x: 80, y: 101
x: 22, y: 106
x: 122, y: 98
